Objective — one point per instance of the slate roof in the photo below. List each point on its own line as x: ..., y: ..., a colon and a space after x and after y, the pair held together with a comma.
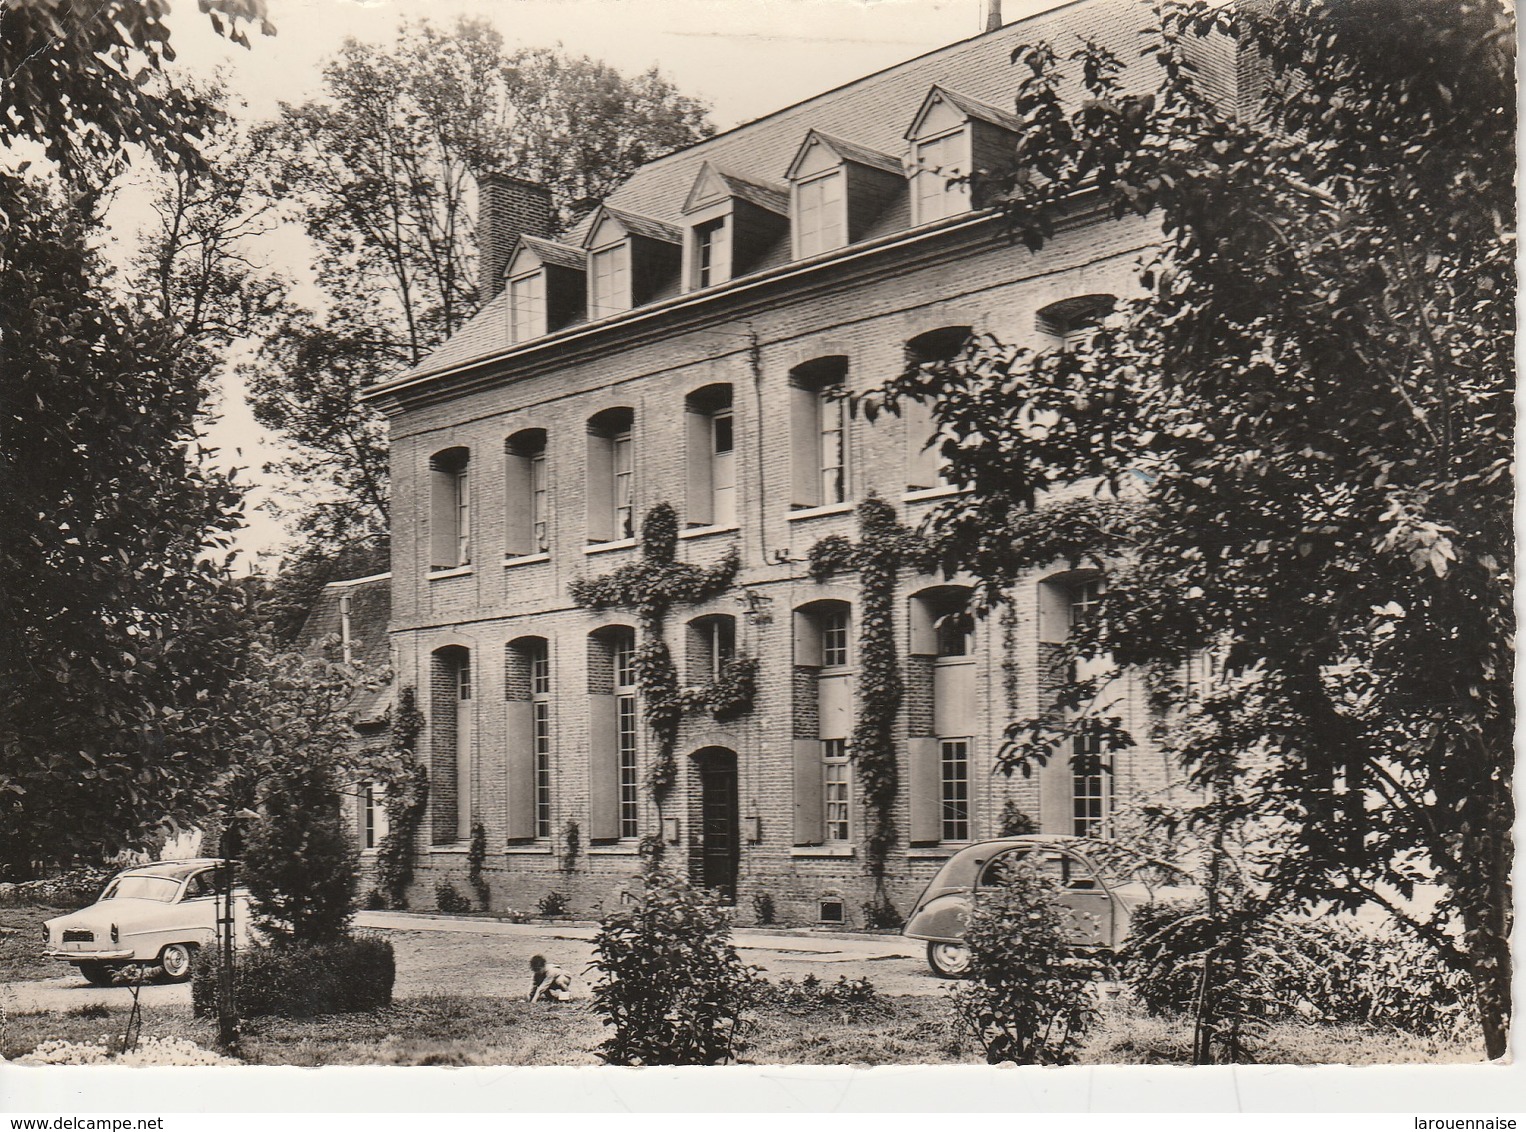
x: 775, y: 198
x: 638, y: 224
x: 875, y: 111
x: 859, y: 154
x: 558, y: 255
x: 370, y: 610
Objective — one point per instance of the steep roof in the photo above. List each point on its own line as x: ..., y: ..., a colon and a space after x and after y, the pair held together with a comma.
x: 551, y: 252
x: 852, y: 151
x: 370, y: 610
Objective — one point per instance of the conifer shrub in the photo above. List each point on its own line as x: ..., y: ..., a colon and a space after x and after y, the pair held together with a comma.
x: 448, y: 900
x: 297, y: 980
x: 671, y: 985
x: 1030, y: 997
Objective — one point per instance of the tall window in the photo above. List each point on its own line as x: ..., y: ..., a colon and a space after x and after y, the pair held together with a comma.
x: 610, y: 272
x: 527, y: 306
x: 954, y: 780
x: 451, y: 744
x: 540, y: 714
x: 373, y: 815
x: 819, y: 433
x: 940, y: 161
x: 821, y: 220
x: 712, y: 489
x: 1088, y: 785
x: 526, y: 502
x: 449, y: 510
x: 836, y: 787
x: 712, y: 253
x: 925, y: 466
x: 626, y: 725
x: 611, y: 476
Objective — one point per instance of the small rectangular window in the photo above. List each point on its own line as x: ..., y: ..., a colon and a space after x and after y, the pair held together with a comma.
x: 940, y: 161
x: 611, y: 273
x: 834, y: 639
x: 527, y: 306
x: 711, y: 253
x: 821, y: 222
x: 831, y: 911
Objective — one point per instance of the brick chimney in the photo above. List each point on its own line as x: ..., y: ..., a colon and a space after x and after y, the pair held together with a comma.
x: 507, y: 208
x: 993, y: 15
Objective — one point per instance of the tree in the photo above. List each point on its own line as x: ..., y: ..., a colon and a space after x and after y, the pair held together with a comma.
x: 384, y: 169
x: 116, y: 630
x: 1300, y: 437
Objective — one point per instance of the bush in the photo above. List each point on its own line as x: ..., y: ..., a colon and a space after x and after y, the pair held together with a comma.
x: 551, y: 904
x: 881, y: 915
x: 671, y: 984
x: 810, y: 993
x: 447, y: 899
x: 297, y: 980
x: 1014, y: 821
x: 373, y: 901
x: 476, y: 857
x: 73, y: 889
x: 1030, y: 998
x: 762, y: 907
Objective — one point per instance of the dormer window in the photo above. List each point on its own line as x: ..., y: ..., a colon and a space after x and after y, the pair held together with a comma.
x: 951, y: 136
x: 527, y: 306
x: 842, y: 192
x: 632, y: 260
x: 546, y: 288
x: 732, y: 227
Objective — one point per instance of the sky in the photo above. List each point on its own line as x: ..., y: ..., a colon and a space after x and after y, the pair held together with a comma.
x: 745, y: 58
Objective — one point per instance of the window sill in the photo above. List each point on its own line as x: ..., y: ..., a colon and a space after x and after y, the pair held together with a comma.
x: 935, y: 852
x: 528, y: 851
x: 823, y: 851
x: 923, y: 494
x: 461, y: 847
x: 527, y: 559
x: 450, y: 572
x: 614, y: 850
x: 819, y: 512
x: 703, y: 532
x: 616, y: 544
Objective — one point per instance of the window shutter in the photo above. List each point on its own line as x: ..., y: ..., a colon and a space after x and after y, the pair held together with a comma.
x: 444, y: 550
x: 517, y: 519
x: 924, y: 791
x: 700, y: 499
x: 600, y: 489
x: 808, y: 806
x: 519, y: 734
x: 921, y: 460
x: 603, y: 770
x: 1057, y: 794
x: 805, y: 451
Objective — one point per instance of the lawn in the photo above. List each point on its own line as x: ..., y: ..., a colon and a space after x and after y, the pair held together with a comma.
x: 21, y: 943
x: 884, y: 1031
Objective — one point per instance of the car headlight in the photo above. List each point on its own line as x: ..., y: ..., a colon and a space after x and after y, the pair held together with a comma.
x: 46, y: 936
x: 116, y: 936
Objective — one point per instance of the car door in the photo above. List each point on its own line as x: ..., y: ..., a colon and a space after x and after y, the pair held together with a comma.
x: 1082, y: 891
x: 194, y: 915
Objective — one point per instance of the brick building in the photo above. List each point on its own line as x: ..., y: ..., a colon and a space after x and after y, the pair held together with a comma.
x: 682, y: 345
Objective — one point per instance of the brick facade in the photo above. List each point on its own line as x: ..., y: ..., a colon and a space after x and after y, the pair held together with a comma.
x: 864, y: 304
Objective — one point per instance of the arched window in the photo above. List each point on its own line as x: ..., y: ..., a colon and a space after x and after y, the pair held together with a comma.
x: 611, y: 476
x: 451, y: 744
x: 449, y: 509
x: 1067, y: 601
x: 614, y: 729
x: 528, y: 726
x: 924, y: 463
x: 711, y: 455
x: 1070, y: 322
x: 527, y: 525
x: 823, y: 722
x: 819, y: 433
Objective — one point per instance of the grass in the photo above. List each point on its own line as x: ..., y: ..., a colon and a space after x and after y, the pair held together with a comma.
x: 885, y: 1031
x: 21, y: 944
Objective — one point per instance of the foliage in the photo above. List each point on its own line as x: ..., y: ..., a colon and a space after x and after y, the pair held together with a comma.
x: 406, y: 781
x: 289, y: 725
x: 86, y: 82
x: 152, y: 1051
x: 1014, y: 821
x: 884, y: 545
x: 75, y: 888
x: 476, y: 857
x: 881, y: 915
x: 1301, y: 433
x: 449, y: 900
x: 551, y: 904
x: 117, y: 633
x: 381, y: 172
x: 763, y: 907
x: 342, y: 976
x: 1030, y: 998
x: 810, y: 994
x: 572, y: 842
x: 651, y: 586
x: 671, y: 984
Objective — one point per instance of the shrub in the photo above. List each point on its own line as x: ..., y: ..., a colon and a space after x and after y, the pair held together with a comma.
x: 447, y: 899
x: 73, y: 889
x: 1387, y: 977
x: 476, y: 857
x: 762, y: 907
x: 552, y: 904
x: 373, y: 901
x: 671, y: 984
x: 301, y: 979
x: 1015, y: 821
x: 1030, y: 998
x: 881, y: 915
x: 810, y: 993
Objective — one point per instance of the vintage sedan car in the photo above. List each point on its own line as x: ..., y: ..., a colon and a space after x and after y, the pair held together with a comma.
x: 1100, y: 892
x: 157, y: 914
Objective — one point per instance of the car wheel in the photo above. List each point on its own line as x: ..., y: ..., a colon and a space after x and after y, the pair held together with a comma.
x: 97, y: 974
x: 175, y: 959
x: 949, y: 960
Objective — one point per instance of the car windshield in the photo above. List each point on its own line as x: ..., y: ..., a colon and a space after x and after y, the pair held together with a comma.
x: 142, y: 888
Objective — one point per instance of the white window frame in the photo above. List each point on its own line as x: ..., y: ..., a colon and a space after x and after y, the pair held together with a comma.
x: 527, y: 306
x: 829, y: 230
x: 927, y: 173
x: 836, y: 792
x: 609, y: 280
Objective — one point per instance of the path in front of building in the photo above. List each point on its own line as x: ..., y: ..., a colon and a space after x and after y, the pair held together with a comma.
x: 441, y: 955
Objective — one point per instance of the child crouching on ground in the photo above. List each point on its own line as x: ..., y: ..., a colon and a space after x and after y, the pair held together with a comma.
x: 548, y: 981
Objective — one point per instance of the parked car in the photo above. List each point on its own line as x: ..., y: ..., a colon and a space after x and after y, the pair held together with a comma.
x: 157, y: 914
x: 1102, y: 895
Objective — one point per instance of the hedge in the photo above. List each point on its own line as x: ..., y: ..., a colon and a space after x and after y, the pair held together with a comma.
x: 298, y: 980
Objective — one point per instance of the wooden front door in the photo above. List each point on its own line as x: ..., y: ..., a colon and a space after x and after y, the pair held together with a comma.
x: 719, y: 841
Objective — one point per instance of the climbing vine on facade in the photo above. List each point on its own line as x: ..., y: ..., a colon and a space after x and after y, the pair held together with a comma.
x: 651, y: 586
x: 406, y: 782
x: 884, y: 546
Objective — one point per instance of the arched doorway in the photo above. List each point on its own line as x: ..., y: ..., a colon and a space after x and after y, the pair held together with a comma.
x: 717, y: 853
